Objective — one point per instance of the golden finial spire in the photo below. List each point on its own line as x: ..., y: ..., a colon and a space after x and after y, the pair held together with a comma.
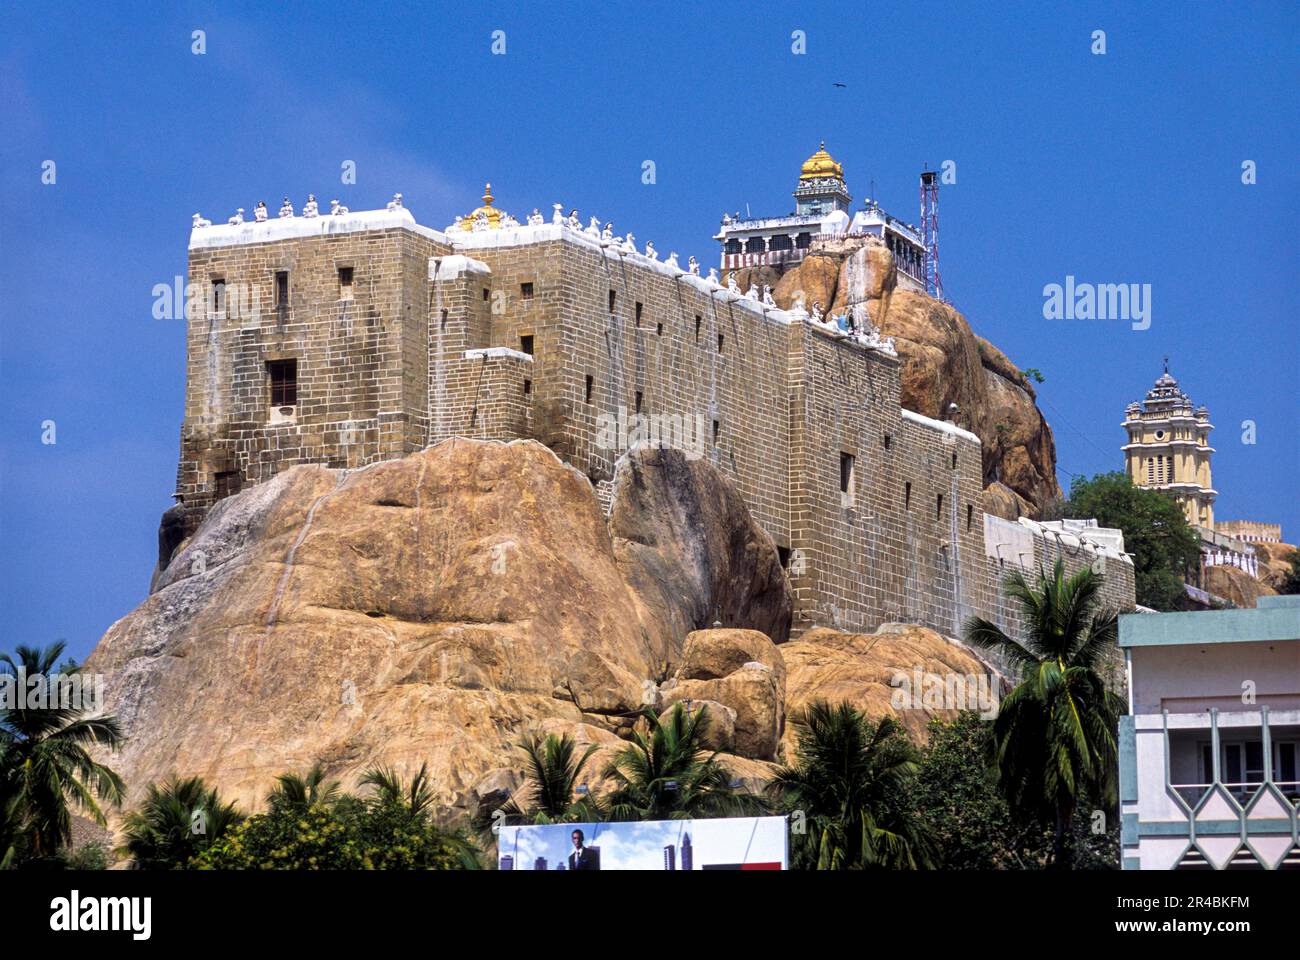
x: 487, y: 195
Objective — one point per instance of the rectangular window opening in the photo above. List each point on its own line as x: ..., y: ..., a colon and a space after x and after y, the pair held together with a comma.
x: 219, y: 296
x: 612, y: 297
x: 528, y: 387
x: 526, y: 344
x: 283, y: 375
x: 846, y: 479
x: 698, y: 321
x: 938, y: 507
x: 638, y: 314
x: 281, y: 289
x: 907, y: 495
x: 345, y: 283
x: 638, y: 401
x: 721, y: 340
x: 590, y: 383
x: 526, y: 291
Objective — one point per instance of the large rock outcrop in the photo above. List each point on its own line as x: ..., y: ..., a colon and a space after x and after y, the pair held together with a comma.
x: 1236, y: 586
x: 944, y: 363
x: 860, y: 669
x: 1274, y: 561
x: 429, y: 608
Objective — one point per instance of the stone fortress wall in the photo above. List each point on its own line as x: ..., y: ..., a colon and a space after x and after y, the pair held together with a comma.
x: 553, y: 333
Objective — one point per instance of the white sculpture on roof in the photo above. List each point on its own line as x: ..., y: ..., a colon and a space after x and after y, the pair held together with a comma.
x: 732, y: 286
x: 593, y: 227
x: 396, y: 202
x: 672, y: 260
x: 573, y: 220
x: 629, y: 243
x: 650, y: 250
x: 200, y: 222
x: 767, y: 296
x: 336, y: 209
x: 309, y: 209
x: 752, y: 292
x: 608, y: 233
x: 286, y: 209
x: 693, y: 266
x: 713, y: 275
x: 557, y: 217
x: 238, y: 217
x: 259, y: 211
x: 535, y: 218
x: 817, y: 311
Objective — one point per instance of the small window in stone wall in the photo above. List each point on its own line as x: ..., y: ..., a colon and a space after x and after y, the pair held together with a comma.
x: 219, y: 297
x: 443, y: 322
x: 721, y: 341
x: 638, y: 313
x: 226, y: 482
x: 970, y: 517
x: 907, y: 495
x: 717, y: 428
x: 345, y: 283
x: 486, y: 293
x: 846, y: 479
x: 612, y: 297
x: 281, y: 289
x: 638, y: 401
x: 938, y: 507
x: 526, y: 344
x: 526, y: 291
x: 659, y: 329
x: 283, y: 375
x: 954, y: 461
x: 528, y: 387
x: 887, y: 441
x: 590, y: 383
x: 698, y: 321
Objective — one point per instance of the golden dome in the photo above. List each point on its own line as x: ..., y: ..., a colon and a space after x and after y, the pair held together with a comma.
x: 820, y: 166
x: 492, y: 213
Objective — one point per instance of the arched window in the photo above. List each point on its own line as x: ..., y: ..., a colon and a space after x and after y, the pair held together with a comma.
x: 755, y: 245
x: 781, y: 242
x: 733, y: 246
x: 803, y: 241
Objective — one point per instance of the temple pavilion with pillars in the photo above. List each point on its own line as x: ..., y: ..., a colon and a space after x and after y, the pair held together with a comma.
x: 823, y: 212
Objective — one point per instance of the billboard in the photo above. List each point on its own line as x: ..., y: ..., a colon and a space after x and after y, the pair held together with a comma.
x: 726, y: 843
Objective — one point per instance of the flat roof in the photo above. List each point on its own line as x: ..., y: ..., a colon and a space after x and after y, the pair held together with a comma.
x: 1274, y: 618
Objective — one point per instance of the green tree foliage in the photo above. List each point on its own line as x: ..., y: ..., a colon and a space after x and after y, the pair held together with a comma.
x: 1156, y: 533
x: 1055, y: 733
x: 176, y: 822
x: 390, y: 829
x: 850, y: 789
x: 551, y: 795
x: 957, y: 794
x: 45, y: 765
x: 1291, y: 581
x: 670, y: 773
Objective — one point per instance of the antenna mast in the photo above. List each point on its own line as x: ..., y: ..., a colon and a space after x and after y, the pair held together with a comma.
x: 930, y: 232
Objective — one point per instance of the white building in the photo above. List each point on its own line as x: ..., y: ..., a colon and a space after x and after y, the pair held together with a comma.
x: 822, y: 214
x: 1209, y: 750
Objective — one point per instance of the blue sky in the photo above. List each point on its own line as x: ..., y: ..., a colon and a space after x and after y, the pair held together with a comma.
x: 1117, y: 168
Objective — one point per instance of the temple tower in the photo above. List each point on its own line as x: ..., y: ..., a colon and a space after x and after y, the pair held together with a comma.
x: 1168, y: 448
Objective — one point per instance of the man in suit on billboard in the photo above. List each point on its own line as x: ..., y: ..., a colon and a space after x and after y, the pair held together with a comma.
x: 583, y: 857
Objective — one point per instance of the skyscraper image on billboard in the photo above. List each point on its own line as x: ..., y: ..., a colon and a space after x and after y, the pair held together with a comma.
x: 734, y: 843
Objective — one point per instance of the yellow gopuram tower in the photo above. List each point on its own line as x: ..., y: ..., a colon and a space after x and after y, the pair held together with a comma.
x: 1168, y: 448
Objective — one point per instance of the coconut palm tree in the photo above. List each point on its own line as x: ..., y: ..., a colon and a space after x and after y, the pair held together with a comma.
x: 176, y: 822
x: 295, y: 792
x: 553, y: 772
x: 45, y: 761
x: 415, y: 798
x: 848, y: 788
x: 1055, y: 733
x: 672, y: 774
